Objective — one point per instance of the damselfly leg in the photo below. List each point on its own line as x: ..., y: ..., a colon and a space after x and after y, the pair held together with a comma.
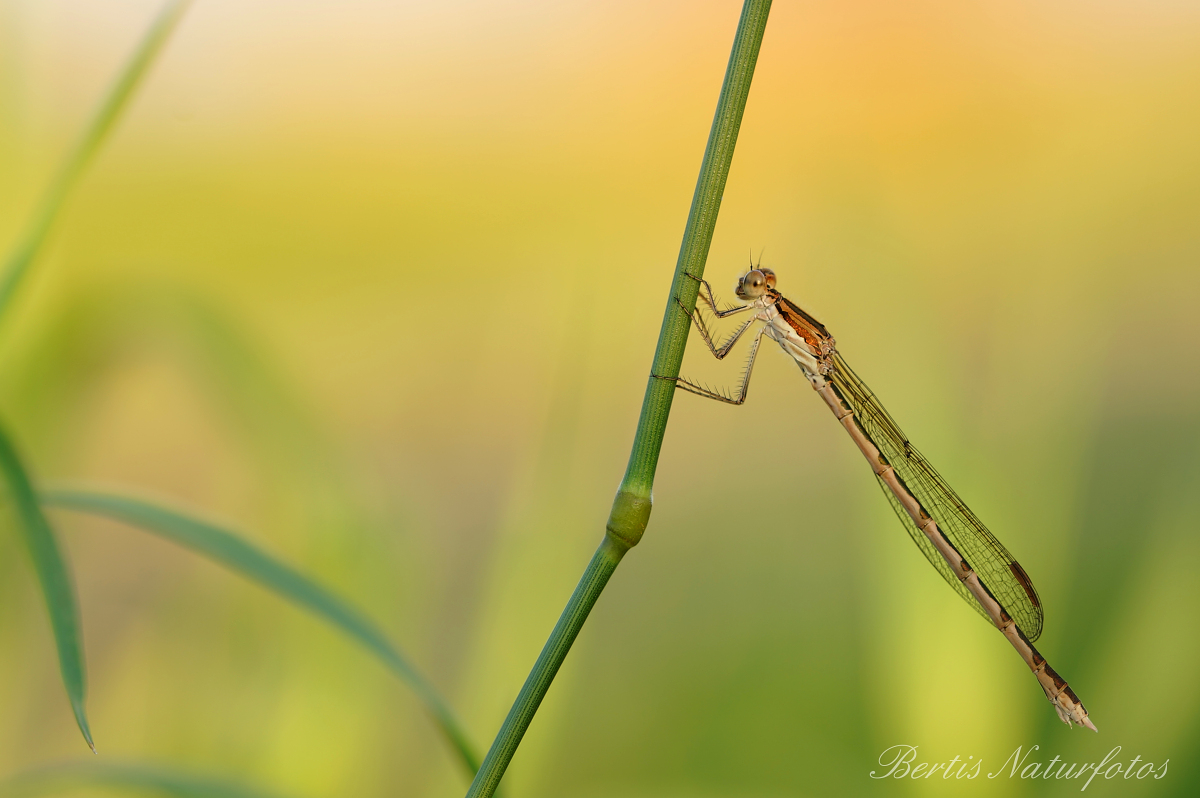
x: 742, y: 388
x: 719, y: 352
x: 706, y: 295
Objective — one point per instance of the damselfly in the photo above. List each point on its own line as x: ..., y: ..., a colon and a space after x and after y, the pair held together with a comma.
x: 954, y: 541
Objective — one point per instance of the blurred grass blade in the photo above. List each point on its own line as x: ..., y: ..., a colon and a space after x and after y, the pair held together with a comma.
x: 124, y: 777
x: 56, y: 584
x: 30, y: 243
x: 231, y: 551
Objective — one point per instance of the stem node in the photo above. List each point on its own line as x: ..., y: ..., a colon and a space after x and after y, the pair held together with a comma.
x: 628, y: 519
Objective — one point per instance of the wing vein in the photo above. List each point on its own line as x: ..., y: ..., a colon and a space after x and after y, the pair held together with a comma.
x: 998, y: 571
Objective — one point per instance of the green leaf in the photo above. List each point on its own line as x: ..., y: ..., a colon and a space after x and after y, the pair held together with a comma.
x: 228, y: 549
x: 122, y: 776
x: 57, y: 587
x: 30, y: 243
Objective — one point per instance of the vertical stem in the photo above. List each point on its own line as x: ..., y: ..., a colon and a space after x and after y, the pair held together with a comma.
x: 693, y: 252
x: 631, y: 508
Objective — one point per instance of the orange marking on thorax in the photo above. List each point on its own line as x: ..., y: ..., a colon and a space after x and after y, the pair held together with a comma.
x: 808, y: 328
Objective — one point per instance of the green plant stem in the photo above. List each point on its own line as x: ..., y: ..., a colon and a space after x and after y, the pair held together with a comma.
x: 693, y: 254
x: 30, y: 243
x: 631, y: 508
x: 603, y: 563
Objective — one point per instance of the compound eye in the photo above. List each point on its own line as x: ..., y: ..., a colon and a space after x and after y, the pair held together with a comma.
x: 752, y: 285
x: 769, y: 276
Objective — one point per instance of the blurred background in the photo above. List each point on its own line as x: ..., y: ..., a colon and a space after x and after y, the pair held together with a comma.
x: 378, y: 285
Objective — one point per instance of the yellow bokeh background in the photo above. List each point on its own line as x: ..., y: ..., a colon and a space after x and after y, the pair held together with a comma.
x: 378, y: 285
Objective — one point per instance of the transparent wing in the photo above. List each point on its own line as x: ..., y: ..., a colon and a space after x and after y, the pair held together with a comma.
x: 930, y: 551
x: 1002, y: 575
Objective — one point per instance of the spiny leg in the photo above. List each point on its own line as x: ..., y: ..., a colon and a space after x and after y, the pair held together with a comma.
x: 711, y: 300
x: 708, y: 393
x: 719, y: 352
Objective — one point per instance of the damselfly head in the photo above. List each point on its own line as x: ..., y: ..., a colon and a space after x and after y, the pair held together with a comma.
x: 754, y: 283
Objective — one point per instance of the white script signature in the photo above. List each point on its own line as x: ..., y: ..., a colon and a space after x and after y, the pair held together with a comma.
x: 901, y: 763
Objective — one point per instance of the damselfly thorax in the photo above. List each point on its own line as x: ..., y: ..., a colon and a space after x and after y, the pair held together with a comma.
x: 798, y: 333
x: 952, y: 538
